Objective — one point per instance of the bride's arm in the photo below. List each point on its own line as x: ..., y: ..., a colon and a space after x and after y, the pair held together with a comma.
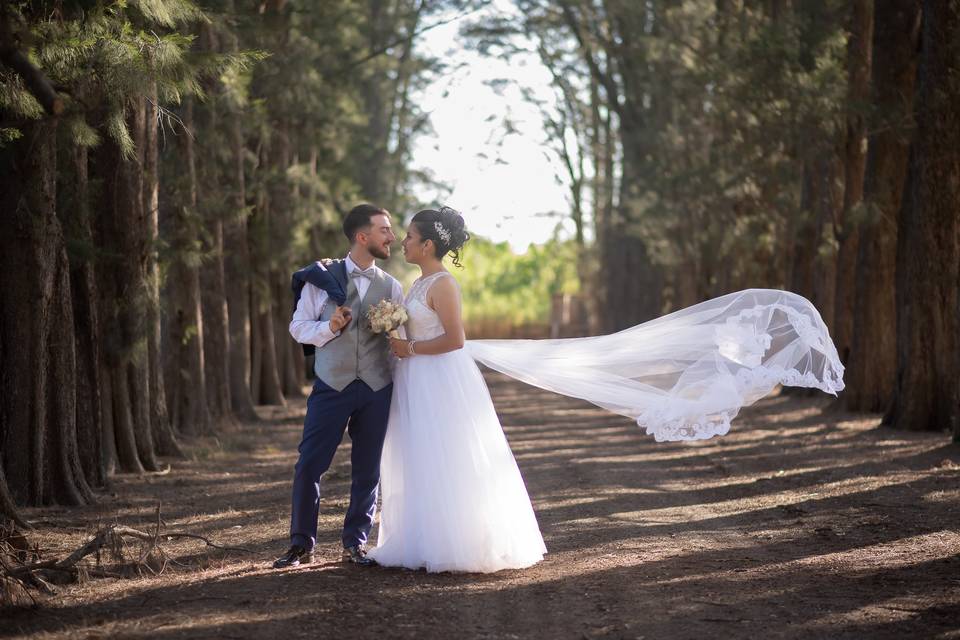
x: 444, y: 298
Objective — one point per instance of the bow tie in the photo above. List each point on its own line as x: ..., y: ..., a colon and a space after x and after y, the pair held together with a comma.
x: 368, y: 273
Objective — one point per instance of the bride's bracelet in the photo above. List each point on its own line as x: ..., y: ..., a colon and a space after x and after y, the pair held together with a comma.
x: 410, y: 346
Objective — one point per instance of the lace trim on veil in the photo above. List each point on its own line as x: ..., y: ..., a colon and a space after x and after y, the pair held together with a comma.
x: 753, y: 380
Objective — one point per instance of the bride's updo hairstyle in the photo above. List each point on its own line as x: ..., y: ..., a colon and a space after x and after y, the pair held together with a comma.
x: 445, y: 227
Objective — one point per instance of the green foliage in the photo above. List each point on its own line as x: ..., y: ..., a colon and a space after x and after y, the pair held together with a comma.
x: 15, y: 99
x: 80, y: 133
x: 8, y: 135
x: 117, y: 130
x: 105, y: 57
x: 168, y: 13
x: 498, y: 284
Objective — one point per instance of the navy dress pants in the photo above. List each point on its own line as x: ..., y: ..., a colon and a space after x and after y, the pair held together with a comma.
x: 363, y: 413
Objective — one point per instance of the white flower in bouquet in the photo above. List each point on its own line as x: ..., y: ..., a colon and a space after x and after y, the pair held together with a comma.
x: 386, y: 317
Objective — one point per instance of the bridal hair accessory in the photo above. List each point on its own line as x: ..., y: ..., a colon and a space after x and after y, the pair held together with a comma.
x: 443, y: 233
x: 386, y: 317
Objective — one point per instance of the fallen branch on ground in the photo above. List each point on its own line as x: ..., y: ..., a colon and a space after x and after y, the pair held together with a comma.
x: 14, y: 580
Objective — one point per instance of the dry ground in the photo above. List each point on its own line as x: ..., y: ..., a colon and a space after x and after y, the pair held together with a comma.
x: 801, y: 523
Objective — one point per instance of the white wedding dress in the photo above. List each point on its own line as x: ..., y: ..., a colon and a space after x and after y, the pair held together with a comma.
x: 453, y: 497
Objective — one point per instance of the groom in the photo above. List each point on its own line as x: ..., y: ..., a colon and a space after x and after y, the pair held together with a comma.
x: 353, y: 385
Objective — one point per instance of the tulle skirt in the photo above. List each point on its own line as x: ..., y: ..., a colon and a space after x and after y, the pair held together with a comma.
x: 453, y: 497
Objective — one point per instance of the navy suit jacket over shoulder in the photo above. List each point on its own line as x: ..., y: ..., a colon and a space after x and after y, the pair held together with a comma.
x: 330, y: 276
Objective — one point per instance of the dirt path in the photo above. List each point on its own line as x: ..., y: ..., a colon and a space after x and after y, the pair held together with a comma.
x: 799, y: 524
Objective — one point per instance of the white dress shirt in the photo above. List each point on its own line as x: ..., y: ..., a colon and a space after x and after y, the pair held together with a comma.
x: 307, y: 329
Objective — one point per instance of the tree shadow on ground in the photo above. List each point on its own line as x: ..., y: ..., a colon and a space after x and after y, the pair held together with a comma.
x: 799, y: 523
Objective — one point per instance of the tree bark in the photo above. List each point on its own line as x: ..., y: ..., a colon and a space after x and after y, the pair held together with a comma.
x: 38, y: 449
x: 212, y: 277
x: 66, y: 481
x: 164, y: 438
x: 828, y: 208
x: 282, y: 201
x: 859, y: 58
x: 8, y: 509
x: 802, y: 235
x: 184, y: 366
x: 213, y: 292
x: 108, y: 440
x: 267, y: 387
x: 122, y: 294
x: 270, y: 387
x: 216, y: 325
x: 237, y: 264
x: 83, y: 286
x: 872, y: 363
x: 133, y: 287
x: 371, y: 169
x: 256, y: 349
x: 290, y: 360
x: 237, y: 273
x: 927, y: 388
x: 633, y: 283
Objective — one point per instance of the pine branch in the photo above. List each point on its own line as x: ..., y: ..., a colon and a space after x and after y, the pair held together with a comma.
x: 36, y: 81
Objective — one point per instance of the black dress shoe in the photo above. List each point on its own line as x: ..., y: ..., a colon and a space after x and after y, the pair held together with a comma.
x: 358, y: 555
x: 296, y: 556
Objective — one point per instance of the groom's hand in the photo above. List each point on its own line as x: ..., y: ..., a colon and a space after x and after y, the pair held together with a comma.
x: 340, y: 319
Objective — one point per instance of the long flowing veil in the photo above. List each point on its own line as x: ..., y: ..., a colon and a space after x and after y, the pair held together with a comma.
x: 685, y: 375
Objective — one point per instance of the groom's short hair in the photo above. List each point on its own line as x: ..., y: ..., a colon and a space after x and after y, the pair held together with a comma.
x: 359, y: 218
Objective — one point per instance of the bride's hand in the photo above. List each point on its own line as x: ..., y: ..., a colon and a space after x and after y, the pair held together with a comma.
x: 400, y: 348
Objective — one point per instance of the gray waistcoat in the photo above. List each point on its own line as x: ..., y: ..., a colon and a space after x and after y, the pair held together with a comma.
x: 357, y: 353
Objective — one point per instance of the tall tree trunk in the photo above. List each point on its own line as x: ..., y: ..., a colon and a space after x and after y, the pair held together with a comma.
x: 164, y: 438
x: 604, y: 214
x: 136, y: 272
x: 38, y: 447
x: 237, y: 265
x: 633, y: 283
x: 854, y: 164
x: 216, y: 351
x: 66, y: 480
x: 927, y: 388
x: 8, y: 509
x: 184, y: 367
x: 256, y: 349
x: 215, y: 325
x: 237, y: 272
x: 283, y: 200
x: 802, y: 235
x: 266, y: 247
x: 108, y: 439
x: 83, y: 286
x: 372, y: 167
x: 123, y: 294
x: 828, y: 208
x: 290, y: 360
x: 400, y: 113
x: 270, y: 386
x: 873, y: 356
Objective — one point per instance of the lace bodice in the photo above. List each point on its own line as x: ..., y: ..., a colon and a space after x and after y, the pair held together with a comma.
x: 423, y: 322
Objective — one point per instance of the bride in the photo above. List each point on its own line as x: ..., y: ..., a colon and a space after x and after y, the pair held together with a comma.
x: 453, y: 497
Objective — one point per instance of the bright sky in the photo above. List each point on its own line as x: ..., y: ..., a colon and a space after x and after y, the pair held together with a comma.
x: 505, y: 191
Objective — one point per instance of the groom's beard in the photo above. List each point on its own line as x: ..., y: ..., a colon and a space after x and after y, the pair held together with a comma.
x: 381, y: 253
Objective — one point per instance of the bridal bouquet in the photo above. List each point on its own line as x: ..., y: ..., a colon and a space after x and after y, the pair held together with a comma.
x: 386, y: 317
